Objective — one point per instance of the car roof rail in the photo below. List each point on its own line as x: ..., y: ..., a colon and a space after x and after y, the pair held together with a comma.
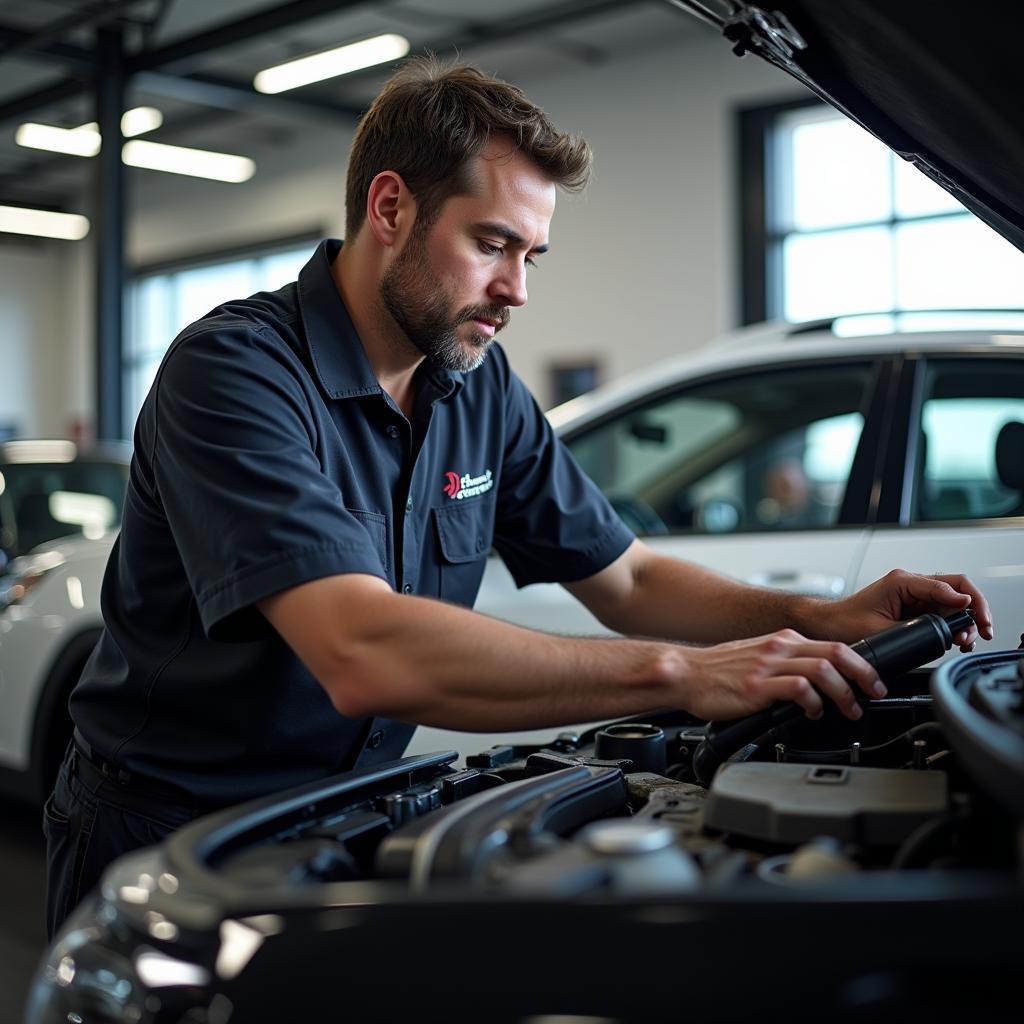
x: 899, y: 321
x: 811, y: 327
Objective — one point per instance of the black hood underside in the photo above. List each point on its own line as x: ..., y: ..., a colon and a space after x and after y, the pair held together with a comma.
x: 940, y: 83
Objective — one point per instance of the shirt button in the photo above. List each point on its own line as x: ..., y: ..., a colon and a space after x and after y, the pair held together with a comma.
x: 392, y: 430
x: 376, y: 739
x: 407, y: 588
x: 408, y: 505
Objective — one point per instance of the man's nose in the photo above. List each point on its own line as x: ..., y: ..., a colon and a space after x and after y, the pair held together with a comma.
x: 509, y: 287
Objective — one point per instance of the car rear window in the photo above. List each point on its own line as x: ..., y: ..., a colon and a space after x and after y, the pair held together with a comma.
x: 40, y: 502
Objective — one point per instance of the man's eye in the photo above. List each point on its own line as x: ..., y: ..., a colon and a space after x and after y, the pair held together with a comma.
x: 530, y: 262
x: 489, y: 249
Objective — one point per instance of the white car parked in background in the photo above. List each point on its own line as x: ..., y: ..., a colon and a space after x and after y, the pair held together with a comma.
x: 808, y: 458
x: 58, y: 506
x: 803, y: 458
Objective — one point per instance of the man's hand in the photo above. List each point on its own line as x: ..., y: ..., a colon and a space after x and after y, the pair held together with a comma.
x: 901, y: 595
x: 738, y: 678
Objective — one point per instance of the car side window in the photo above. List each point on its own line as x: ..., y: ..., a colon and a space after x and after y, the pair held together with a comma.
x: 753, y: 452
x: 970, y: 462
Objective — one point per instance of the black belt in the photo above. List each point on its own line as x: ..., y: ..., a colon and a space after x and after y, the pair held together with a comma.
x: 131, y: 782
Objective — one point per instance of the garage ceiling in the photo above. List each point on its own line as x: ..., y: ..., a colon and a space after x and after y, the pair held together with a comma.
x: 195, y: 60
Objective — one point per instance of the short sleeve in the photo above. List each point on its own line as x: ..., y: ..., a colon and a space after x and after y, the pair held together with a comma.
x: 553, y: 523
x: 234, y: 461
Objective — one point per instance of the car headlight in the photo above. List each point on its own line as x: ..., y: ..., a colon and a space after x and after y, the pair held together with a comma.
x: 106, y: 968
x: 24, y: 573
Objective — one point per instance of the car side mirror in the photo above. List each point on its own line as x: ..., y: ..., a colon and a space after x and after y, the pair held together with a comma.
x: 651, y: 433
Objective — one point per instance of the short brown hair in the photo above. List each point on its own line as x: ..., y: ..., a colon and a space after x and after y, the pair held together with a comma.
x: 431, y: 119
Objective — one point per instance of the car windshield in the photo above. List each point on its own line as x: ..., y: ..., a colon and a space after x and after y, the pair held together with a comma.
x: 41, y: 501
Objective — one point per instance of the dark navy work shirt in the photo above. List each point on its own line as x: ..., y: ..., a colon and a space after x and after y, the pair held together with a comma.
x: 267, y: 455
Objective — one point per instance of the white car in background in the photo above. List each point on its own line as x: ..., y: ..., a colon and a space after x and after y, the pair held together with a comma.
x: 58, y: 508
x: 808, y: 458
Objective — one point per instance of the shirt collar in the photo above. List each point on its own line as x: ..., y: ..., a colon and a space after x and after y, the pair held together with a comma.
x: 337, y: 353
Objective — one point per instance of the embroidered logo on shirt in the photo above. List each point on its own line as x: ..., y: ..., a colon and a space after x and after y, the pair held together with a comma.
x: 466, y: 486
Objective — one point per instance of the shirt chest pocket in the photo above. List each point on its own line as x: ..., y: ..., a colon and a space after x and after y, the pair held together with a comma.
x: 465, y: 531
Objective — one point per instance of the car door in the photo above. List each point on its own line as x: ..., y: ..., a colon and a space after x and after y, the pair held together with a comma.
x: 954, y: 488
x: 745, y: 472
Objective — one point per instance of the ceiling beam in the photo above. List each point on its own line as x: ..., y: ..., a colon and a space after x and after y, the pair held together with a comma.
x: 541, y: 18
x: 232, y: 95
x: 241, y: 97
x: 33, y: 99
x: 239, y: 30
x: 219, y: 93
x: 54, y: 31
x: 68, y: 56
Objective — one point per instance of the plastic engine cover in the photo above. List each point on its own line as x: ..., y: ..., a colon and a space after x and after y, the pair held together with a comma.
x: 793, y: 803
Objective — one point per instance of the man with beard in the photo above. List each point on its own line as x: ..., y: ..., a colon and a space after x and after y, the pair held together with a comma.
x: 319, y: 475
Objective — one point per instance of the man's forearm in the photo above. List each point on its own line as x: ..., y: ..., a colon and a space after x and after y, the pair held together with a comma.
x: 420, y: 660
x: 682, y: 601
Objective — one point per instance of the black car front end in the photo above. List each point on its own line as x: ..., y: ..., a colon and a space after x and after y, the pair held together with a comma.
x: 831, y: 870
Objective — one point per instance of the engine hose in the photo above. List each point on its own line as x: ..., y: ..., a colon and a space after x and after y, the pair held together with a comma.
x: 891, y: 652
x: 842, y: 756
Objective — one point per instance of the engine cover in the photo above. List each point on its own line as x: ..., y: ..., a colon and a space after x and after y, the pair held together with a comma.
x: 793, y: 803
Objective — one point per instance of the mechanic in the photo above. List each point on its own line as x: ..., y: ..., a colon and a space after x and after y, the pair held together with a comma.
x: 319, y: 475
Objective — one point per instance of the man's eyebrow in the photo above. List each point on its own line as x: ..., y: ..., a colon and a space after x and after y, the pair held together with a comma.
x: 503, y: 231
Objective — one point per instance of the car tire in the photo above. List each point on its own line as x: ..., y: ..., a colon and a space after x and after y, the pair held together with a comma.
x: 52, y: 729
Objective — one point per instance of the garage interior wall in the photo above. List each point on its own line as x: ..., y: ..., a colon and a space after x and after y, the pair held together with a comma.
x: 644, y: 264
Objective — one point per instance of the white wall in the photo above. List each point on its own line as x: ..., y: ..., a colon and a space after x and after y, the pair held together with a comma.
x: 642, y: 265
x: 33, y: 317
x: 645, y: 263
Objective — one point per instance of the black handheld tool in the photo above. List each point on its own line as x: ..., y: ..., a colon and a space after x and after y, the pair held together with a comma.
x: 890, y: 653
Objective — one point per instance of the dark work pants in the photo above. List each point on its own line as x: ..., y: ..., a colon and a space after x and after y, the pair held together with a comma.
x: 92, y: 819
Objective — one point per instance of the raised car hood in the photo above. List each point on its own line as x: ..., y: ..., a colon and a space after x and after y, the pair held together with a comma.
x: 939, y: 83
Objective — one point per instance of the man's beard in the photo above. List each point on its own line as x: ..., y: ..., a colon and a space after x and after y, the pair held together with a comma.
x: 417, y: 303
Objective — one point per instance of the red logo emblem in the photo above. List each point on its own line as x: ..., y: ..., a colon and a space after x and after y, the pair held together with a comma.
x: 454, y: 484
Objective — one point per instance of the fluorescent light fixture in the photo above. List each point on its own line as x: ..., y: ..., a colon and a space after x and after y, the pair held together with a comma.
x: 38, y: 451
x: 136, y: 121
x: 140, y: 120
x: 155, y: 156
x: 197, y: 163
x: 19, y: 220
x: 84, y: 141
x: 342, y: 60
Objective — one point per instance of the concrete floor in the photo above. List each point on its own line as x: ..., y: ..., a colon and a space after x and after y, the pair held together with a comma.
x: 22, y: 889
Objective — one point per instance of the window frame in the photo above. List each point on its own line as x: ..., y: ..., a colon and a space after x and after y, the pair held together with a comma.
x: 761, y: 292
x: 755, y: 169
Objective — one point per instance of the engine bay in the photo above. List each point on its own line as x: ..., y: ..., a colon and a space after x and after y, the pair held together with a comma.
x: 827, y: 869
x: 619, y: 808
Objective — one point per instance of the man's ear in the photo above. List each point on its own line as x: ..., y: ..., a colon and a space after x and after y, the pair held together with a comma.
x: 390, y: 208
